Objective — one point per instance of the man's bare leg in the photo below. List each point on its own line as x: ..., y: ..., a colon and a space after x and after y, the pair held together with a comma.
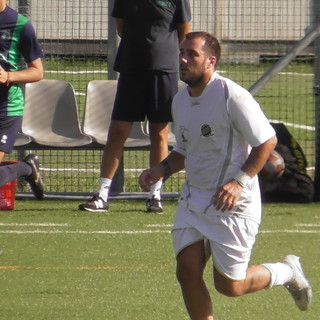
x: 190, y: 266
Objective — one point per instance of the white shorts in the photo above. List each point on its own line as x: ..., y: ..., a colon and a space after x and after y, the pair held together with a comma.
x: 228, y: 239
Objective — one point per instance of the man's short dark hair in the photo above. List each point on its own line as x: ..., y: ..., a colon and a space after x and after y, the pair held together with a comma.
x: 211, y: 45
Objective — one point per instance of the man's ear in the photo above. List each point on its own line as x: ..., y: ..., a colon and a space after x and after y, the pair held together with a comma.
x: 212, y: 61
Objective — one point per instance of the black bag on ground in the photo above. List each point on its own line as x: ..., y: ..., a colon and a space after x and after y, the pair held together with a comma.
x: 294, y: 185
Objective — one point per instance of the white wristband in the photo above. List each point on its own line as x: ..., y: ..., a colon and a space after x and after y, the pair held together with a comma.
x: 242, y: 178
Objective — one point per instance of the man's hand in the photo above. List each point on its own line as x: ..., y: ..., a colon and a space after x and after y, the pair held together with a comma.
x: 3, y: 75
x: 227, y: 196
x: 150, y: 176
x: 173, y: 163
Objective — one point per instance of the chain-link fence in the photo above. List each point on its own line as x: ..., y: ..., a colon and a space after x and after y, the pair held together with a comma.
x: 254, y: 35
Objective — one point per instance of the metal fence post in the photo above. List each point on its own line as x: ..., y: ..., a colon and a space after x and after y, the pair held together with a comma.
x: 316, y: 21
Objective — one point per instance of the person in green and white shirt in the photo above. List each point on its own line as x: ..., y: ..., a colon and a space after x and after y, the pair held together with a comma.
x: 18, y: 42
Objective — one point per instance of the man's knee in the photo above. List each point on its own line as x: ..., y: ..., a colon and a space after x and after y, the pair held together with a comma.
x: 119, y: 131
x: 158, y: 131
x: 188, y: 271
x: 230, y: 290
x: 228, y: 287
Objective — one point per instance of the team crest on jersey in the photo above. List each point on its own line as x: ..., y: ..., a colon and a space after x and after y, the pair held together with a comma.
x: 207, y: 130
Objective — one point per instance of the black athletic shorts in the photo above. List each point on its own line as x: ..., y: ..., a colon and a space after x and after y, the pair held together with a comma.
x: 9, y: 128
x: 145, y: 95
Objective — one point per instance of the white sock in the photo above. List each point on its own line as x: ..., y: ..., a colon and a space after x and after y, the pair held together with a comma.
x: 281, y: 273
x: 104, y: 188
x: 155, y: 190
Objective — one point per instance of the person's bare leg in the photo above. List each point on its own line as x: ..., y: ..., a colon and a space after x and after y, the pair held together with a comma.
x: 191, y: 262
x: 159, y: 142
x: 258, y: 278
x: 1, y: 156
x: 112, y: 152
x: 158, y: 151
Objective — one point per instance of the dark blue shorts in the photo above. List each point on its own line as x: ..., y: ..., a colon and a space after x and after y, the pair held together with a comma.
x: 9, y: 128
x: 145, y: 95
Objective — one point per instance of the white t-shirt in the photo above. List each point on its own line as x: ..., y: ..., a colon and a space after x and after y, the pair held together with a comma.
x: 215, y: 133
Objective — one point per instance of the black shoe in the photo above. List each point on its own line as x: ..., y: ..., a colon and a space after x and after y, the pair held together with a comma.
x: 154, y: 205
x: 34, y: 179
x: 95, y: 204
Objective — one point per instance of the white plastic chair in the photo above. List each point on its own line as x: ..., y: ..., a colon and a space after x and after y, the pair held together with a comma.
x: 51, y: 114
x: 99, y: 104
x: 22, y: 140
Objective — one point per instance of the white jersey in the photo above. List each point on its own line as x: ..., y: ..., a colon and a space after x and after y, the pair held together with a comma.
x: 215, y: 133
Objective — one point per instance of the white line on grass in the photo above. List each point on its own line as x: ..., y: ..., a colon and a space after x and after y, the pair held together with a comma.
x: 133, y: 232
x: 290, y: 231
x: 158, y: 225
x: 71, y: 268
x: 34, y: 224
x: 137, y: 170
x: 295, y: 125
x: 296, y: 74
x: 77, y: 72
x: 82, y: 232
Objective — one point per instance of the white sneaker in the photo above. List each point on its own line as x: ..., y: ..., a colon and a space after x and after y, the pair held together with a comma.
x: 299, y: 286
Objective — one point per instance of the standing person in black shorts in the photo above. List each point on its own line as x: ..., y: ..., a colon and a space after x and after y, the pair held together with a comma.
x: 17, y: 40
x: 150, y: 32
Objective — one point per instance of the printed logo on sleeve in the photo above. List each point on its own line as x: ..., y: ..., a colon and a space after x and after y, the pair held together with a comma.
x: 161, y: 3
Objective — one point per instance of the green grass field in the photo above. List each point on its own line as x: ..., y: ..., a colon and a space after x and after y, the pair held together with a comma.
x: 59, y: 263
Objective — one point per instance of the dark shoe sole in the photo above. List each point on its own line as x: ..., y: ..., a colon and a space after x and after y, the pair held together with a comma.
x: 35, y: 180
